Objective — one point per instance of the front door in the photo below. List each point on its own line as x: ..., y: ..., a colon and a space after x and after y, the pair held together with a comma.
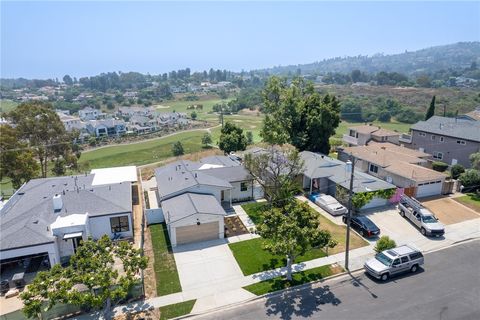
x: 222, y: 195
x: 76, y: 243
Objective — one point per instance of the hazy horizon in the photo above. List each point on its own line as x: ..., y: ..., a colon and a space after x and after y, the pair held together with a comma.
x: 51, y: 39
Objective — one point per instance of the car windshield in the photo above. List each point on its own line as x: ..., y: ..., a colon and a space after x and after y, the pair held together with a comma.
x: 383, y: 259
x: 429, y: 219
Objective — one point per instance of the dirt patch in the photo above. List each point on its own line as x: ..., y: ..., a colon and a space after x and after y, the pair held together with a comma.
x: 336, y: 268
x: 144, y: 315
x: 234, y: 227
x: 449, y: 211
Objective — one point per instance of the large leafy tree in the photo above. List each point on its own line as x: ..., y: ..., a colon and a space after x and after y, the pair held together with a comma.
x: 276, y: 169
x: 232, y: 138
x: 294, y: 233
x: 37, y: 124
x: 17, y: 161
x: 91, y: 280
x: 297, y: 114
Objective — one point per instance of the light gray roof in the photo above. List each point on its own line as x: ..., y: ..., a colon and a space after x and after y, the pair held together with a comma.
x: 26, y: 217
x: 188, y: 204
x: 230, y: 174
x: 181, y: 175
x: 457, y: 128
x: 321, y: 166
x: 220, y: 160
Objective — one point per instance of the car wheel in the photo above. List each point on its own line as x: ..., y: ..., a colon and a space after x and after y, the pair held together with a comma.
x: 414, y: 268
x: 365, y: 233
x: 423, y: 231
x: 384, y: 277
x: 402, y: 213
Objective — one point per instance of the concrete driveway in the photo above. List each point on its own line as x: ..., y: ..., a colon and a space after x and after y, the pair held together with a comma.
x: 207, y: 267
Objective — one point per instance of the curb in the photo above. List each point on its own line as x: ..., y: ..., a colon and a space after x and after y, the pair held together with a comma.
x: 268, y: 295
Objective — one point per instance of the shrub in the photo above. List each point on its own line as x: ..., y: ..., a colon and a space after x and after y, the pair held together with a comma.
x: 384, y: 243
x: 456, y: 170
x: 470, y: 180
x: 439, y: 166
x: 177, y: 149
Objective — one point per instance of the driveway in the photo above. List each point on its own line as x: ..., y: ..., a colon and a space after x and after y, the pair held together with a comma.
x: 449, y: 211
x: 207, y: 268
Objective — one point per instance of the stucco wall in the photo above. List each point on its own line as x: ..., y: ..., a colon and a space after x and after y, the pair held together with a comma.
x: 50, y: 248
x: 101, y: 225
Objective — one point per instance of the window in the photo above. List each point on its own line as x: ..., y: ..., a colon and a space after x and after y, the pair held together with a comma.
x: 396, y: 262
x: 442, y: 139
x: 404, y: 259
x: 373, y: 168
x: 415, y: 255
x: 422, y: 134
x: 437, y: 155
x: 462, y: 142
x: 243, y: 186
x: 119, y: 224
x: 433, y: 137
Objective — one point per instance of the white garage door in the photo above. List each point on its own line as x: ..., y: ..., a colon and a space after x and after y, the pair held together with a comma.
x: 374, y: 203
x: 197, y: 233
x: 429, y: 189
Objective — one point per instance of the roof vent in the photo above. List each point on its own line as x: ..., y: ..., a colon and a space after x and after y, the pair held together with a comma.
x: 57, y: 202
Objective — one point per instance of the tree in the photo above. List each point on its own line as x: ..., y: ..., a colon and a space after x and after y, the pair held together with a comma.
x: 276, y: 170
x: 177, y: 149
x: 456, y: 170
x: 92, y: 268
x: 384, y: 243
x: 67, y: 80
x: 193, y: 115
x: 431, y: 109
x: 232, y: 138
x: 351, y: 111
x: 292, y: 234
x: 475, y: 160
x: 384, y: 116
x: 206, y: 140
x: 249, y: 137
x: 17, y: 161
x: 59, y: 167
x: 297, y: 114
x: 38, y: 124
x: 470, y: 180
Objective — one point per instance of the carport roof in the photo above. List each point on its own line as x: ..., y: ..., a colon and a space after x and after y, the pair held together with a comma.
x: 188, y: 204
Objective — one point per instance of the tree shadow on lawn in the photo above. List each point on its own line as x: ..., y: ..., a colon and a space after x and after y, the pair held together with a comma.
x: 300, y: 303
x: 274, y: 263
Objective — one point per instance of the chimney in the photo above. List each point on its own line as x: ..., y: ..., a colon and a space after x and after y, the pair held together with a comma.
x: 57, y: 202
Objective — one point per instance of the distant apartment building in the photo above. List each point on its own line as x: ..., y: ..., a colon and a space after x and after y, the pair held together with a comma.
x: 88, y: 113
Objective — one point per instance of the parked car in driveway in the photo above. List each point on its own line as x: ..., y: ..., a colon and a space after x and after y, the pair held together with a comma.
x: 328, y: 203
x: 420, y: 216
x: 363, y: 225
x: 392, y: 262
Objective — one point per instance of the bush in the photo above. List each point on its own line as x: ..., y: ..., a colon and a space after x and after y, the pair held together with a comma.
x: 384, y: 243
x: 177, y: 149
x: 470, y: 180
x: 384, y: 116
x: 456, y: 170
x: 439, y: 166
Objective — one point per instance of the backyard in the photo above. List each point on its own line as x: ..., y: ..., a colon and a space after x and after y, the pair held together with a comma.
x: 252, y: 258
x: 166, y: 272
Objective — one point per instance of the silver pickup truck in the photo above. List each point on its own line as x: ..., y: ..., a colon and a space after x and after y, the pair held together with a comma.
x: 394, y: 261
x: 420, y: 216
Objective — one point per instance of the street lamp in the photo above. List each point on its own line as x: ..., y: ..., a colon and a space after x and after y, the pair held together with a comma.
x: 350, y: 168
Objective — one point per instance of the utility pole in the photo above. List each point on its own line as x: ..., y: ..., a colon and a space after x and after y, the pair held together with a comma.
x: 351, y: 165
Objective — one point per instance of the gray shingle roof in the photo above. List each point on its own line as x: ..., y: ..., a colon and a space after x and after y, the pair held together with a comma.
x: 24, y: 219
x: 457, y: 128
x: 220, y: 160
x: 188, y: 204
x: 230, y: 174
x: 321, y: 166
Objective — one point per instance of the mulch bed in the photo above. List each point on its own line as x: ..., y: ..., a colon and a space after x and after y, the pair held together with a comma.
x: 234, y: 227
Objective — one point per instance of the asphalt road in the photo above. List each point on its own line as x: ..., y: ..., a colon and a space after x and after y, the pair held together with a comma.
x: 447, y: 288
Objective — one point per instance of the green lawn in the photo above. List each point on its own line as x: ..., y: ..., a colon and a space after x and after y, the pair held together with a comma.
x: 181, y: 106
x: 166, y: 273
x: 470, y: 200
x: 298, y: 278
x: 142, y: 152
x: 7, y: 105
x: 6, y: 188
x: 176, y: 310
x: 252, y: 258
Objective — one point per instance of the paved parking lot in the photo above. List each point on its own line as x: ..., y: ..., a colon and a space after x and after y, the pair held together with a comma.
x: 449, y: 211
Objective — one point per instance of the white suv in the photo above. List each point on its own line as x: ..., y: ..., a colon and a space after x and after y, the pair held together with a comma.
x: 394, y: 261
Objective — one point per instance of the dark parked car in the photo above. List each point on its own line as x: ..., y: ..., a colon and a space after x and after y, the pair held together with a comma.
x: 363, y: 225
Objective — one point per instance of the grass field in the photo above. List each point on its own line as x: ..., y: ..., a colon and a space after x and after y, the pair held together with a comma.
x: 176, y: 310
x: 252, y: 258
x: 181, y: 106
x: 298, y: 278
x: 7, y: 105
x: 6, y: 188
x: 165, y: 268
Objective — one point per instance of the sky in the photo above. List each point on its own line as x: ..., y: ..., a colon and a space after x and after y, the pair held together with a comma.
x: 51, y: 39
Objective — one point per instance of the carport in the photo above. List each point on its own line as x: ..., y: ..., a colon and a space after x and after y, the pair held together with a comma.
x: 193, y: 217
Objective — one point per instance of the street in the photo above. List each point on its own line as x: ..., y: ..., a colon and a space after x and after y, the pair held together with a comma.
x: 447, y: 288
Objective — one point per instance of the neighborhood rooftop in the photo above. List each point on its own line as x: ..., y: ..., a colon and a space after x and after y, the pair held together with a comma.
x: 457, y: 128
x: 189, y: 204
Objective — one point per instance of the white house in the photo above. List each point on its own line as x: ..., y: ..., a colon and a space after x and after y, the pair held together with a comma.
x: 88, y: 113
x: 107, y: 127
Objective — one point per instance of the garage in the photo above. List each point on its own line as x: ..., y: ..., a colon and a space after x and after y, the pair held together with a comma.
x: 428, y: 189
x: 193, y: 217
x: 197, y: 233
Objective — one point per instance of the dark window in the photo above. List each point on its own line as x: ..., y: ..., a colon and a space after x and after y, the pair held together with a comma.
x: 243, y: 186
x: 404, y: 259
x: 373, y: 168
x: 119, y: 224
x: 396, y: 262
x: 416, y: 255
